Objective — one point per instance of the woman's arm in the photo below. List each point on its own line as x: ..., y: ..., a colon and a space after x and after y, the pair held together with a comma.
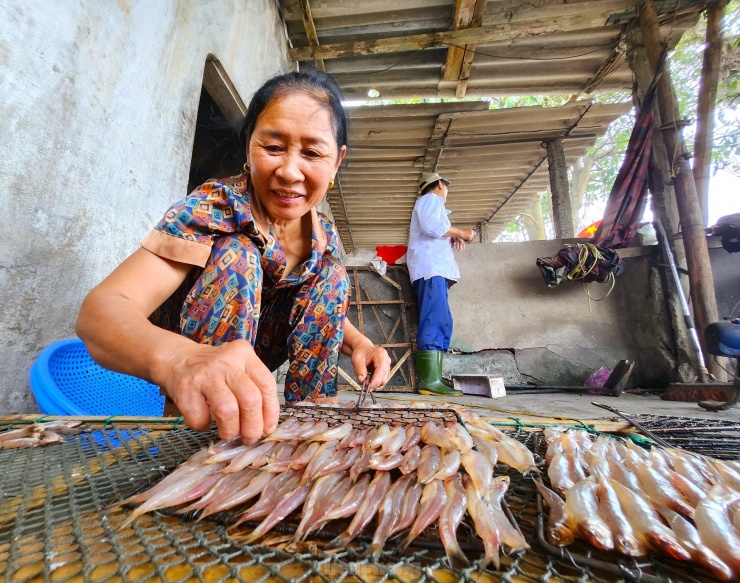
x: 226, y: 383
x: 364, y: 353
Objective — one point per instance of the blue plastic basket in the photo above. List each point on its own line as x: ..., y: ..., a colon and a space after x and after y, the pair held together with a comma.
x: 66, y: 381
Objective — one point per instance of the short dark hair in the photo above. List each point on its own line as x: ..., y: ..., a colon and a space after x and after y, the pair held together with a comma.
x: 430, y: 186
x: 317, y: 84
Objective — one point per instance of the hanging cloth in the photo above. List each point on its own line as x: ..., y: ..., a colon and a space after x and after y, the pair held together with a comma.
x: 624, y: 210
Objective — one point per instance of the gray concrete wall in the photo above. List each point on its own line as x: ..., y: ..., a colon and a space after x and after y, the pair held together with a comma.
x: 508, y: 322
x: 99, y: 103
x: 552, y: 336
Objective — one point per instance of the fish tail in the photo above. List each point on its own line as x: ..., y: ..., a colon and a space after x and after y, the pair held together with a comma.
x: 339, y: 542
x: 490, y: 557
x: 455, y: 556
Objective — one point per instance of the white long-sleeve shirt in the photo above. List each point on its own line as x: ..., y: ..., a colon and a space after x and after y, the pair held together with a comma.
x: 429, y: 252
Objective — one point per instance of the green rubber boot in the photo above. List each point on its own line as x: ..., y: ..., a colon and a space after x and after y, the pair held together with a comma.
x: 429, y: 369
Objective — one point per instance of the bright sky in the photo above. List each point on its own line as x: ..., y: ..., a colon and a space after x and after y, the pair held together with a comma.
x: 724, y: 197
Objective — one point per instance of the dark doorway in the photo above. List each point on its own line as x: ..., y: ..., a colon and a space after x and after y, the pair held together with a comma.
x: 217, y: 149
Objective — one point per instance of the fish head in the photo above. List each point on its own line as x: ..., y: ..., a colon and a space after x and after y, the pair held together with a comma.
x: 597, y: 534
x: 629, y: 546
x: 560, y: 535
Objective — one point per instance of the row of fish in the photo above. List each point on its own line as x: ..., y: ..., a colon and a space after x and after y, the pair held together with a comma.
x: 38, y: 434
x: 619, y: 496
x: 399, y: 479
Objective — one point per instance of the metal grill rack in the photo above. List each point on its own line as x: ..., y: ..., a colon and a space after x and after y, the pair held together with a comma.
x: 718, y: 438
x: 57, y: 523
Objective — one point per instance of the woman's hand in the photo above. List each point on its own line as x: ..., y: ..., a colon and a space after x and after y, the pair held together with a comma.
x: 366, y: 356
x: 227, y: 384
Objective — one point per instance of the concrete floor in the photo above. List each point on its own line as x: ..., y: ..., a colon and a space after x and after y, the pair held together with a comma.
x: 567, y: 405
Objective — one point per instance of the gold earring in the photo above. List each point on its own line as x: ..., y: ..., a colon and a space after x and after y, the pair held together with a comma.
x: 331, y: 184
x: 246, y: 167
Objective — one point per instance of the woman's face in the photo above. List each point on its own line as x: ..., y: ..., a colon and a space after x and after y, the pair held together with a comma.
x: 293, y: 156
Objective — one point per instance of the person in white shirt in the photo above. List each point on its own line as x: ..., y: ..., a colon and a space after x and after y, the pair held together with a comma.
x: 433, y: 270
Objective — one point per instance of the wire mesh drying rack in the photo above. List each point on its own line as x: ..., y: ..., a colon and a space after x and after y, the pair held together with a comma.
x: 57, y: 524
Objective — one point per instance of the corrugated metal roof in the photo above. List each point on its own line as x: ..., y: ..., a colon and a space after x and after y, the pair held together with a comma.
x: 444, y: 48
x: 494, y: 159
x: 455, y: 48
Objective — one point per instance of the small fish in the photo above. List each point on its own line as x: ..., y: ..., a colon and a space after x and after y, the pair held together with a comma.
x: 410, y: 460
x: 368, y: 507
x: 433, y: 499
x: 362, y: 465
x: 449, y: 465
x: 658, y: 488
x: 409, y: 508
x: 479, y: 470
x: 185, y: 482
x: 559, y: 472
x: 247, y: 456
x: 335, y: 433
x: 624, y: 475
x: 428, y: 463
x: 320, y: 460
x: 582, y: 515
x: 232, y: 498
x: 389, y: 514
x: 484, y: 447
x: 341, y: 464
x: 432, y: 434
x: 286, y: 431
x: 458, y: 435
x: 385, y: 462
x: 271, y: 496
x: 351, y: 501
x: 394, y: 442
x: 315, y: 428
x: 292, y: 500
x: 413, y: 437
x: 485, y: 525
x: 610, y: 509
x: 314, y: 506
x: 717, y: 532
x: 690, y: 539
x: 558, y: 533
x: 380, y: 436
x: 450, y: 518
x: 648, y: 526
x: 509, y: 535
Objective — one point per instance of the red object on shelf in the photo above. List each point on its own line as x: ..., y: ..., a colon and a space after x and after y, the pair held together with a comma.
x: 589, y: 231
x: 390, y: 253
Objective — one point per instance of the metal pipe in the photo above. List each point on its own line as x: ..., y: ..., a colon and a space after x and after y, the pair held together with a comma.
x: 703, y: 373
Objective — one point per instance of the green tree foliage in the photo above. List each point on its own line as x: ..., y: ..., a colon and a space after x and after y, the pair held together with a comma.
x: 685, y: 61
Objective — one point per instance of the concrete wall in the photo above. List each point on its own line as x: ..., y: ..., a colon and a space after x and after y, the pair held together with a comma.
x: 553, y: 336
x: 508, y: 322
x: 99, y: 103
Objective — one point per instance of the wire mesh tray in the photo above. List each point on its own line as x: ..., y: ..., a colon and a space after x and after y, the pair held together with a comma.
x: 57, y: 524
x: 649, y: 569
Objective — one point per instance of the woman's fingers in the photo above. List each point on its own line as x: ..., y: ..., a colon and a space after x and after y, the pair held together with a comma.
x: 382, y: 367
x: 230, y: 385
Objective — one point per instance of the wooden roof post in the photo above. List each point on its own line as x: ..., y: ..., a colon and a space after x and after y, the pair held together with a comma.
x: 663, y: 204
x: 707, y: 99
x: 562, y: 208
x: 701, y: 279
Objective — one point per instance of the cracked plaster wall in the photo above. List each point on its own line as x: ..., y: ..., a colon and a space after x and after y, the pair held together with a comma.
x: 99, y: 102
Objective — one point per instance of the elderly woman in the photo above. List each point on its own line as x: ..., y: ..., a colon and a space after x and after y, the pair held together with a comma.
x: 254, y: 271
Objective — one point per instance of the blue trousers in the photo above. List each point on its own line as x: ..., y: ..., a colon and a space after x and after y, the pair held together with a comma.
x: 435, y: 320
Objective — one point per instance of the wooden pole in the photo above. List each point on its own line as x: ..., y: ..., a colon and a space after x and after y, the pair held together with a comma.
x: 663, y: 203
x: 707, y: 99
x: 701, y: 280
x: 562, y: 209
